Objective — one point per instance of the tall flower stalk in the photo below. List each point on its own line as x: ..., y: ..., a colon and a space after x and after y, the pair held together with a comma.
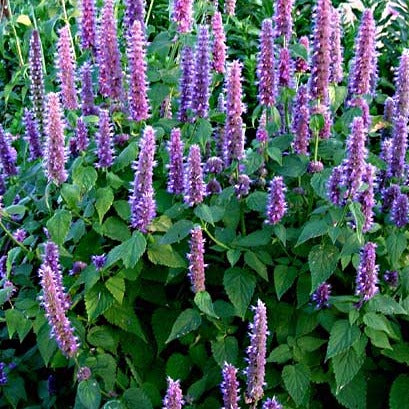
x: 32, y: 135
x: 88, y: 24
x: 186, y: 83
x: 194, y: 185
x: 8, y: 155
x: 175, y: 167
x: 283, y: 19
x: 182, y: 15
x: 230, y: 387
x: 174, y: 397
x: 336, y: 71
x: 196, y: 260
x: 219, y: 43
x: 104, y: 140
x: 367, y: 274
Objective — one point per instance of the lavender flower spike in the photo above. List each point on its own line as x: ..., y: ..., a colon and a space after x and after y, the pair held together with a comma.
x: 109, y: 57
x: 272, y: 404
x: 276, y: 206
x: 230, y: 387
x: 55, y: 156
x: 301, y: 122
x: 81, y: 134
x: 336, y: 72
x: 201, y: 76
x: 134, y: 11
x: 285, y: 69
x: 196, y: 260
x: 321, y: 54
x: 402, y: 87
x: 400, y: 210
x: 265, y: 65
x: 283, y: 19
x: 301, y: 64
x: 367, y: 199
x: 174, y: 397
x: 88, y: 24
x: 389, y: 109
x: 194, y: 185
x: 367, y: 274
x: 104, y: 140
x: 36, y: 76
x: 141, y: 199
x: 219, y: 43
x: 230, y: 7
x: 321, y: 296
x: 87, y: 92
x: 138, y: 97
x: 186, y: 83
x: 66, y: 69
x: 183, y: 15
x: 175, y: 172
x: 363, y: 71
x: 399, y: 147
x: 234, y: 130
x: 256, y: 355
x: 8, y: 155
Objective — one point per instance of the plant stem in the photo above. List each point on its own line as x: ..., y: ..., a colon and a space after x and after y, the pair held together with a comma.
x: 149, y: 12
x: 19, y: 53
x: 219, y: 243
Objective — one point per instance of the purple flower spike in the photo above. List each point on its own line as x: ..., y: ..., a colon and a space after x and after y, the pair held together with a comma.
x: 301, y: 64
x: 81, y: 136
x: 141, y: 199
x: 138, y: 85
x: 400, y: 210
x: 36, y: 76
x: 265, y: 66
x: 242, y: 186
x: 256, y: 355
x: 285, y: 69
x: 230, y: 387
x: 391, y: 278
x: 109, y: 57
x: 183, y: 15
x: 174, y: 396
x: 367, y: 274
x: 175, y: 172
x: 104, y: 140
x: 8, y: 155
x: 186, y: 83
x: 219, y: 43
x: 214, y: 165
x: 99, y: 261
x: 234, y: 131
x: 276, y: 206
x: 389, y: 109
x: 389, y: 195
x: 399, y: 147
x: 66, y: 69
x: 402, y: 87
x: 262, y: 133
x: 196, y: 260
x: 20, y: 235
x: 230, y: 7
x: 55, y: 156
x: 301, y: 122
x: 55, y: 302
x: 363, y: 73
x: 334, y: 186
x: 321, y: 53
x: 272, y: 404
x: 363, y: 105
x: 88, y: 24
x: 194, y: 185
x: 87, y: 92
x: 134, y: 11
x: 283, y: 20
x: 32, y: 135
x: 213, y: 187
x: 321, y: 296
x: 367, y: 199
x: 336, y: 72
x: 201, y: 76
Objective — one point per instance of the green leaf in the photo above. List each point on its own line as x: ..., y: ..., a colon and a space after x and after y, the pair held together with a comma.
x: 162, y: 322
x: 129, y: 251
x: 275, y: 154
x: 313, y: 228
x: 97, y: 300
x: 126, y: 157
x: 24, y: 19
x: 257, y: 201
x: 104, y: 200
x: 103, y: 337
x: 346, y: 365
x: 106, y: 369
x: 210, y: 214
x: 113, y: 404
x: 239, y: 285
x: 59, y: 225
x: 115, y: 229
x: 342, y: 336
x: 188, y: 321
x: 177, y: 232
x: 17, y: 322
x: 310, y: 344
x: 204, y: 303
x: 322, y: 260
x: 319, y: 183
x: 353, y: 395
x: 165, y: 255
x: 399, y: 353
x: 256, y: 264
x: 178, y: 366
x: 253, y: 162
x: 378, y: 322
x: 14, y: 391
x: 284, y: 277
x: 233, y: 256
x: 85, y: 177
x: 280, y: 355
x: 46, y: 344
x: 89, y: 393
x: 359, y: 218
x: 293, y: 166
x: 257, y: 238
x: 385, y: 305
x: 398, y: 398
x: 71, y: 195
x: 396, y: 244
x: 136, y: 398
x: 116, y: 287
x: 297, y: 381
x: 378, y: 338
x: 225, y: 350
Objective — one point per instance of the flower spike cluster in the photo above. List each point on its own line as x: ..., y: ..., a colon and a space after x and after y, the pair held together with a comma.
x: 174, y: 396
x: 367, y: 274
x: 272, y: 404
x: 396, y: 166
x: 32, y: 135
x: 183, y: 15
x: 134, y: 11
x: 186, y: 83
x: 283, y: 20
x: 301, y: 122
x: 8, y: 155
x: 87, y: 91
x: 104, y: 140
x: 321, y: 296
x: 88, y: 24
x: 196, y: 260
x: 276, y: 206
x: 230, y: 387
x: 219, y: 43
x: 194, y: 185
x: 336, y: 71
x: 402, y: 87
x: 175, y: 167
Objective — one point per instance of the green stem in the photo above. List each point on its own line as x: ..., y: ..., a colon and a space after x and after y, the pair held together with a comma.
x: 18, y: 46
x: 242, y: 220
x: 149, y: 12
x: 317, y: 134
x: 219, y: 243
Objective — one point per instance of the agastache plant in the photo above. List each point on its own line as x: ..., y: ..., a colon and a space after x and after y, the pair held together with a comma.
x: 396, y: 166
x: 301, y: 122
x: 32, y: 135
x: 336, y: 71
x: 141, y: 199
x: 219, y: 43
x: 400, y: 210
x: 230, y: 7
x: 272, y: 403
x: 367, y: 274
x: 276, y: 204
x: 194, y: 186
x: 88, y: 24
x: 8, y: 155
x: 265, y: 66
x: 363, y: 73
x: 174, y: 396
x: 186, y: 83
x: 367, y: 199
x: 285, y: 68
x: 283, y: 21
x: 138, y: 86
x: 230, y: 387
x: 104, y: 140
x: 402, y: 87
x: 196, y: 260
x: 134, y: 11
x: 81, y: 136
x: 182, y: 15
x: 321, y: 296
x: 55, y: 155
x: 87, y: 91
x: 175, y: 167
x: 301, y: 64
x: 201, y: 75
x: 66, y: 69
x: 256, y: 355
x: 234, y: 129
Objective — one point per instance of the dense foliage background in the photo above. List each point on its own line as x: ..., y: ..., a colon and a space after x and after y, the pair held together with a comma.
x: 137, y: 319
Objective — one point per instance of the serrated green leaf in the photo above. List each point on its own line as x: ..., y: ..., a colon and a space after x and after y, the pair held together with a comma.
x: 257, y: 201
x: 346, y: 365
x: 116, y: 229
x: 104, y: 200
x: 210, y: 214
x: 89, y: 393
x: 85, y: 177
x: 322, y: 260
x: 116, y: 286
x: 129, y: 251
x: 256, y: 264
x: 204, y: 303
x: 136, y: 398
x: 71, y: 194
x: 342, y: 336
x: 97, y: 300
x: 353, y: 395
x: 103, y: 337
x: 178, y: 366
x: 385, y: 305
x: 313, y: 228
x: 377, y: 322
x: 297, y: 381
x: 398, y: 397
x: 284, y: 277
x: 177, y: 232
x: 280, y: 354
x: 225, y: 350
x: 59, y: 225
x: 165, y: 255
x: 188, y: 321
x: 396, y: 243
